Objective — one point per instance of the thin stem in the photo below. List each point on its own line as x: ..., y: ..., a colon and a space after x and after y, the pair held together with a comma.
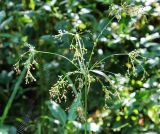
x: 80, y: 59
x: 81, y: 51
x: 64, y: 33
x: 95, y: 43
x: 13, y: 95
x: 104, y: 29
x: 98, y: 62
x: 85, y: 105
x: 57, y: 55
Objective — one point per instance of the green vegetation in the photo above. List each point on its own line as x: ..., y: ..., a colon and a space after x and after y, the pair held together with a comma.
x: 73, y: 67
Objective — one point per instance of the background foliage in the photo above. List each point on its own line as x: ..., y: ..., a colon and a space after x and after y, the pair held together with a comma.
x: 35, y: 21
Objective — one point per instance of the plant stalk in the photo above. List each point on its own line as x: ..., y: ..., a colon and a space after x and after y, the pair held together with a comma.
x: 85, y: 104
x: 13, y: 95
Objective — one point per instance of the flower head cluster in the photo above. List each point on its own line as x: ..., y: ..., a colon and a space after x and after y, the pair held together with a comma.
x: 133, y: 58
x: 80, y: 112
x: 134, y: 54
x: 107, y: 94
x: 29, y: 64
x: 58, y: 89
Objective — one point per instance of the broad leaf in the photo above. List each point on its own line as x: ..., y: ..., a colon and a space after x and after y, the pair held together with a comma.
x: 153, y: 113
x: 72, y: 114
x: 57, y: 112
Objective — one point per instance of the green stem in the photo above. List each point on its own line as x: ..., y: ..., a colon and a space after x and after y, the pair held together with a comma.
x: 85, y: 104
x: 98, y: 62
x: 13, y: 95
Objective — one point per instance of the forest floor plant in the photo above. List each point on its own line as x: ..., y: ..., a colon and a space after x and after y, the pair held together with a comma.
x: 85, y: 72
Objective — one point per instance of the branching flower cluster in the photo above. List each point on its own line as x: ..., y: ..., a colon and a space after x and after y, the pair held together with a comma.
x: 58, y: 91
x: 133, y: 59
x: 29, y: 64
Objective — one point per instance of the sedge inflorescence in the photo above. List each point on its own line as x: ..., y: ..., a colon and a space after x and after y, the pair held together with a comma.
x: 85, y: 73
x: 30, y: 63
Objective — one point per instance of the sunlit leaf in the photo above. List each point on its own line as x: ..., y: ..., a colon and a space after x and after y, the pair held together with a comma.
x: 32, y: 4
x: 153, y: 113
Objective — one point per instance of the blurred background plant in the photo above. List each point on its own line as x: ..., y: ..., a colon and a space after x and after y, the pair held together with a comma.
x: 135, y: 25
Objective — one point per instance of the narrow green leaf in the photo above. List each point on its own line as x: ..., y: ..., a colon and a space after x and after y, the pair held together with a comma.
x: 102, y: 74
